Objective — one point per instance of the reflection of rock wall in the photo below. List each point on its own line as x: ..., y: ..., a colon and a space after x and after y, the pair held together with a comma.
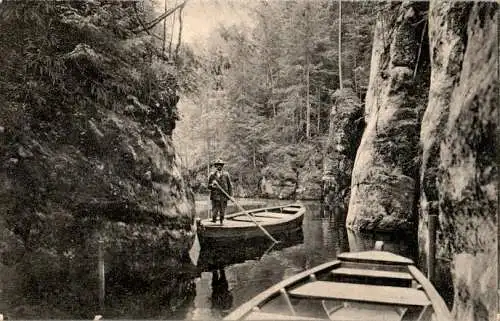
x: 385, y: 170
x: 459, y: 175
x: 148, y: 299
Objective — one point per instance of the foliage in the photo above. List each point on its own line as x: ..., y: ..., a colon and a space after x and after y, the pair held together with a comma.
x: 81, y: 91
x: 277, y: 79
x: 76, y: 55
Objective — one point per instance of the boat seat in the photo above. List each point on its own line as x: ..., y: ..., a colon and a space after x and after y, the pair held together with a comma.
x: 269, y: 215
x: 275, y: 316
x: 361, y: 293
x: 399, y: 278
x: 294, y: 209
x: 244, y: 219
x: 377, y: 257
x: 373, y: 273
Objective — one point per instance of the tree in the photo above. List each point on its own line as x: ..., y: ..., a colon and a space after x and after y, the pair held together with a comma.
x: 340, y: 45
x: 79, y: 85
x: 281, y: 77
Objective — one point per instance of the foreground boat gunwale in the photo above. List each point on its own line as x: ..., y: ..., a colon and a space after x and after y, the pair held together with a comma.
x: 440, y: 310
x: 437, y: 301
x: 270, y: 293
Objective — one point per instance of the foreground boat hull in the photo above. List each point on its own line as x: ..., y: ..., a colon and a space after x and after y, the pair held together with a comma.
x: 354, y: 287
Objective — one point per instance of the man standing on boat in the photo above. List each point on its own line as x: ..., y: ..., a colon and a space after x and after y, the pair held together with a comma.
x: 218, y: 180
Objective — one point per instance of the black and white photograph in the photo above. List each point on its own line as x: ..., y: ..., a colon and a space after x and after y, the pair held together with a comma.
x: 249, y: 160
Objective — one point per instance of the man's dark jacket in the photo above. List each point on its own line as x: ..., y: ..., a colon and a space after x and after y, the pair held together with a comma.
x: 224, y: 182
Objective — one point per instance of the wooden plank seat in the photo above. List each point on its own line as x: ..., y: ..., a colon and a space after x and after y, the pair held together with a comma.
x: 244, y: 219
x: 360, y: 293
x: 268, y: 214
x: 377, y: 257
x: 274, y: 316
x: 373, y: 273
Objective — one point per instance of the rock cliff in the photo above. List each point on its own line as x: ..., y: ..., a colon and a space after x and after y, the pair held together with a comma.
x: 346, y: 128
x: 429, y: 145
x: 86, y: 154
x: 459, y: 172
x: 385, y: 172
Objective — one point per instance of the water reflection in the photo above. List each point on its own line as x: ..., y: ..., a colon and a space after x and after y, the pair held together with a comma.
x: 218, y: 256
x: 225, y: 277
x: 136, y: 297
x: 234, y: 274
x: 342, y: 239
x: 221, y: 296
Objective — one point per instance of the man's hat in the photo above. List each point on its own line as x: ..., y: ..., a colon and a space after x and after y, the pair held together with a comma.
x: 219, y: 161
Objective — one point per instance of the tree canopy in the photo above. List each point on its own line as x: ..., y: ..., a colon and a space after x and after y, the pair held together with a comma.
x: 274, y: 85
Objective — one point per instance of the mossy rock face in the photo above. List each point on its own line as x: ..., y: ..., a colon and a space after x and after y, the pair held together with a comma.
x: 391, y: 197
x: 459, y: 171
x: 473, y: 277
x: 86, y: 150
x: 384, y: 175
x: 346, y: 128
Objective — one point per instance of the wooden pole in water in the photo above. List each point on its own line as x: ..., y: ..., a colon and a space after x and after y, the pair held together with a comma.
x: 100, y: 269
x: 431, y: 253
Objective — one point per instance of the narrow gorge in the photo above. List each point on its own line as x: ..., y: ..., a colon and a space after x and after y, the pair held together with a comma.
x: 100, y: 163
x: 429, y: 146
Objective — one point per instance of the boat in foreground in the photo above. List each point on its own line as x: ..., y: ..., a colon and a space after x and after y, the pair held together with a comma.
x: 370, y: 285
x: 249, y: 224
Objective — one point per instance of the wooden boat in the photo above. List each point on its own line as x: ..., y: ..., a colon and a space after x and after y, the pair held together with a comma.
x: 369, y: 285
x: 242, y: 225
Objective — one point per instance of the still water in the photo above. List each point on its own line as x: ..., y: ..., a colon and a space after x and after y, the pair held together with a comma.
x: 223, y: 278
x: 230, y: 276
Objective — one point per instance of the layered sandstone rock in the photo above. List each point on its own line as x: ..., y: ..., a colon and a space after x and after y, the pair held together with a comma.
x: 459, y: 172
x: 384, y: 177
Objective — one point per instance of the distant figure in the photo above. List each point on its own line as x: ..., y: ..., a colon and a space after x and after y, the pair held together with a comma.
x: 221, y: 296
x: 217, y: 180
